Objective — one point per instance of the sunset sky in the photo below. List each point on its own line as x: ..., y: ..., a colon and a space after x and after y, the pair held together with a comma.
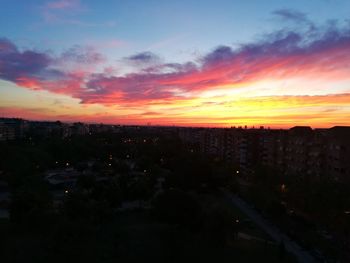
x: 276, y: 63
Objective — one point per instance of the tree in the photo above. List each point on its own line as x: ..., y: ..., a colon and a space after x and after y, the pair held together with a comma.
x: 220, y: 226
x: 31, y: 202
x: 178, y: 207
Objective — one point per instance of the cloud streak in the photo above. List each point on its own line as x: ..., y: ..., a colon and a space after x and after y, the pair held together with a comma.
x: 143, y: 58
x: 63, y: 4
x: 292, y: 15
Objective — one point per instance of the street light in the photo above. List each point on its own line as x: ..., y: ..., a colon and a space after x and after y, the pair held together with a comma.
x: 283, y: 188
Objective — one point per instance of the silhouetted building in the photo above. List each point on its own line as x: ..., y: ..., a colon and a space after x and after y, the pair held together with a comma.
x: 300, y: 152
x: 337, y: 153
x: 11, y: 128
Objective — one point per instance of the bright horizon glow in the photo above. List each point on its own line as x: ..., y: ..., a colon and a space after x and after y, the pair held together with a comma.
x: 221, y: 64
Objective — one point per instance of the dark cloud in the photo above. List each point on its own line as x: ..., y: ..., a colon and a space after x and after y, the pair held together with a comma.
x: 290, y: 14
x: 167, y: 68
x: 294, y: 16
x: 40, y: 70
x: 15, y: 64
x: 143, y: 58
x: 6, y: 46
x: 151, y: 113
x: 219, y: 54
x: 83, y: 55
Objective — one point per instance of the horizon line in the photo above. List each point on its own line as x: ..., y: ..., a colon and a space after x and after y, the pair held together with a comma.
x: 256, y: 127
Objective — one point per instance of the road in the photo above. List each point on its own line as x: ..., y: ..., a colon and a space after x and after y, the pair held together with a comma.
x: 300, y: 254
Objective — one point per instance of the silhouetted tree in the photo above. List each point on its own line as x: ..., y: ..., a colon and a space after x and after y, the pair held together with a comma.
x: 31, y: 202
x: 178, y: 207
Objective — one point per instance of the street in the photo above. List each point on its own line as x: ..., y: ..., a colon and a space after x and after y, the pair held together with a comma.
x: 300, y: 254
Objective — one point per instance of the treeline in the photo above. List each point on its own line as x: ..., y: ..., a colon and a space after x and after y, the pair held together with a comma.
x: 77, y: 229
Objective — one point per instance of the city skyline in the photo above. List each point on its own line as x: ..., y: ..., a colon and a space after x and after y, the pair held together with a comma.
x: 221, y: 64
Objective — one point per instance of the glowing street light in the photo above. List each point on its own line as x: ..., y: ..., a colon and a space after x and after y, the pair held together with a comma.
x: 283, y: 188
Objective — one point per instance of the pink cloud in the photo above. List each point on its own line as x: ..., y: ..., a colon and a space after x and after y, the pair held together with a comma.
x: 281, y: 55
x: 63, y: 4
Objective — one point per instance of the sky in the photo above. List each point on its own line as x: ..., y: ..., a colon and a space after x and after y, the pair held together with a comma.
x: 222, y: 63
